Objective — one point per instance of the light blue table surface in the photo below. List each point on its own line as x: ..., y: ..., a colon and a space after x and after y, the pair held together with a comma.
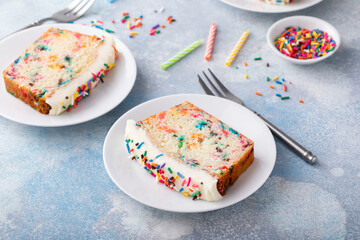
x: 53, y: 184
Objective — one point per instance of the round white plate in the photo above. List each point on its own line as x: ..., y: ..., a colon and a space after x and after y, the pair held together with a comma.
x: 131, y: 178
x: 106, y: 96
x: 260, y: 6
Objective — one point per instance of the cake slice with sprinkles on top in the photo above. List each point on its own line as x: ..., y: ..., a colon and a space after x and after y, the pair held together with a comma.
x: 190, y: 151
x: 60, y: 69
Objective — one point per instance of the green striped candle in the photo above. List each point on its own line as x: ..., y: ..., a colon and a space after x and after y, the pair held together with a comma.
x: 180, y: 55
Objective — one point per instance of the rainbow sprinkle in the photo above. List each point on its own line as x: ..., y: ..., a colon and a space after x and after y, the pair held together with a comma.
x: 303, y: 43
x: 195, y: 194
x: 180, y: 175
x: 159, y: 156
x: 98, y: 24
x: 167, y: 176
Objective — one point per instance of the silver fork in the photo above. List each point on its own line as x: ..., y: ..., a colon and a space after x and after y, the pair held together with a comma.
x: 71, y: 12
x: 225, y: 93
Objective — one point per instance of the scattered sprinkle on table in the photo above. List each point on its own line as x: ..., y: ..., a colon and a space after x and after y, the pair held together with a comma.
x: 257, y: 59
x: 277, y: 80
x: 301, y: 43
x: 132, y: 34
x: 154, y: 30
x: 170, y: 19
x: 98, y: 24
x: 123, y: 20
x: 245, y: 64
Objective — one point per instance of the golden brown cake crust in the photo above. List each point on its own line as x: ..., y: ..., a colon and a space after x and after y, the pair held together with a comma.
x: 26, y: 95
x: 231, y: 175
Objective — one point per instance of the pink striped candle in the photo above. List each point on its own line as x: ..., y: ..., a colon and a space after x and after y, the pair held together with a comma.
x: 210, y: 42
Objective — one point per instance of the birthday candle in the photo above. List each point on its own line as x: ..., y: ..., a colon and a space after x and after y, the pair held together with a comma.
x: 237, y: 48
x: 210, y: 42
x: 180, y: 55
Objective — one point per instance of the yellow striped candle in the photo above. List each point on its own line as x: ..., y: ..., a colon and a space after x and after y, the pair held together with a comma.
x: 237, y: 48
x: 180, y: 55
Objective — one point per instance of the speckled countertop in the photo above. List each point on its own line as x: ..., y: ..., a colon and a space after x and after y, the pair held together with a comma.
x: 53, y: 183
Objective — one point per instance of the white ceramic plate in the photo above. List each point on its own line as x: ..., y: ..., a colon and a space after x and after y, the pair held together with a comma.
x: 131, y: 178
x: 307, y: 22
x: 106, y: 96
x: 260, y: 6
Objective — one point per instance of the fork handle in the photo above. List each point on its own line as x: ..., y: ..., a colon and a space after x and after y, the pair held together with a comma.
x: 295, y: 146
x: 36, y: 23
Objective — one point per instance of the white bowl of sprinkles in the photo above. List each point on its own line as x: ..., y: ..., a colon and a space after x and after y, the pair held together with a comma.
x: 289, y: 39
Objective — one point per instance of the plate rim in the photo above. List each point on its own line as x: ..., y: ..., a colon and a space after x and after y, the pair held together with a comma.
x: 130, y: 57
x: 151, y: 101
x: 271, y: 11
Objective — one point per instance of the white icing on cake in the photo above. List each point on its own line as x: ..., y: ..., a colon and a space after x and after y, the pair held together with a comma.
x: 200, y: 179
x: 58, y: 99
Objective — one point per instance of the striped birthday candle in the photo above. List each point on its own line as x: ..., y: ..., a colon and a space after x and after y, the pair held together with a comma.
x: 180, y: 55
x: 210, y: 42
x: 237, y: 48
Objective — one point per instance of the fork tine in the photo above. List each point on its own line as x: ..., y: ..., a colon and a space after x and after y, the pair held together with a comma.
x: 72, y: 5
x: 203, y: 85
x: 84, y: 8
x: 78, y: 7
x: 226, y: 91
x: 213, y: 86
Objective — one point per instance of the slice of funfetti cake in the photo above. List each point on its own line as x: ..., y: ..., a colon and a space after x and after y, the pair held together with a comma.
x: 59, y: 69
x: 189, y: 151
